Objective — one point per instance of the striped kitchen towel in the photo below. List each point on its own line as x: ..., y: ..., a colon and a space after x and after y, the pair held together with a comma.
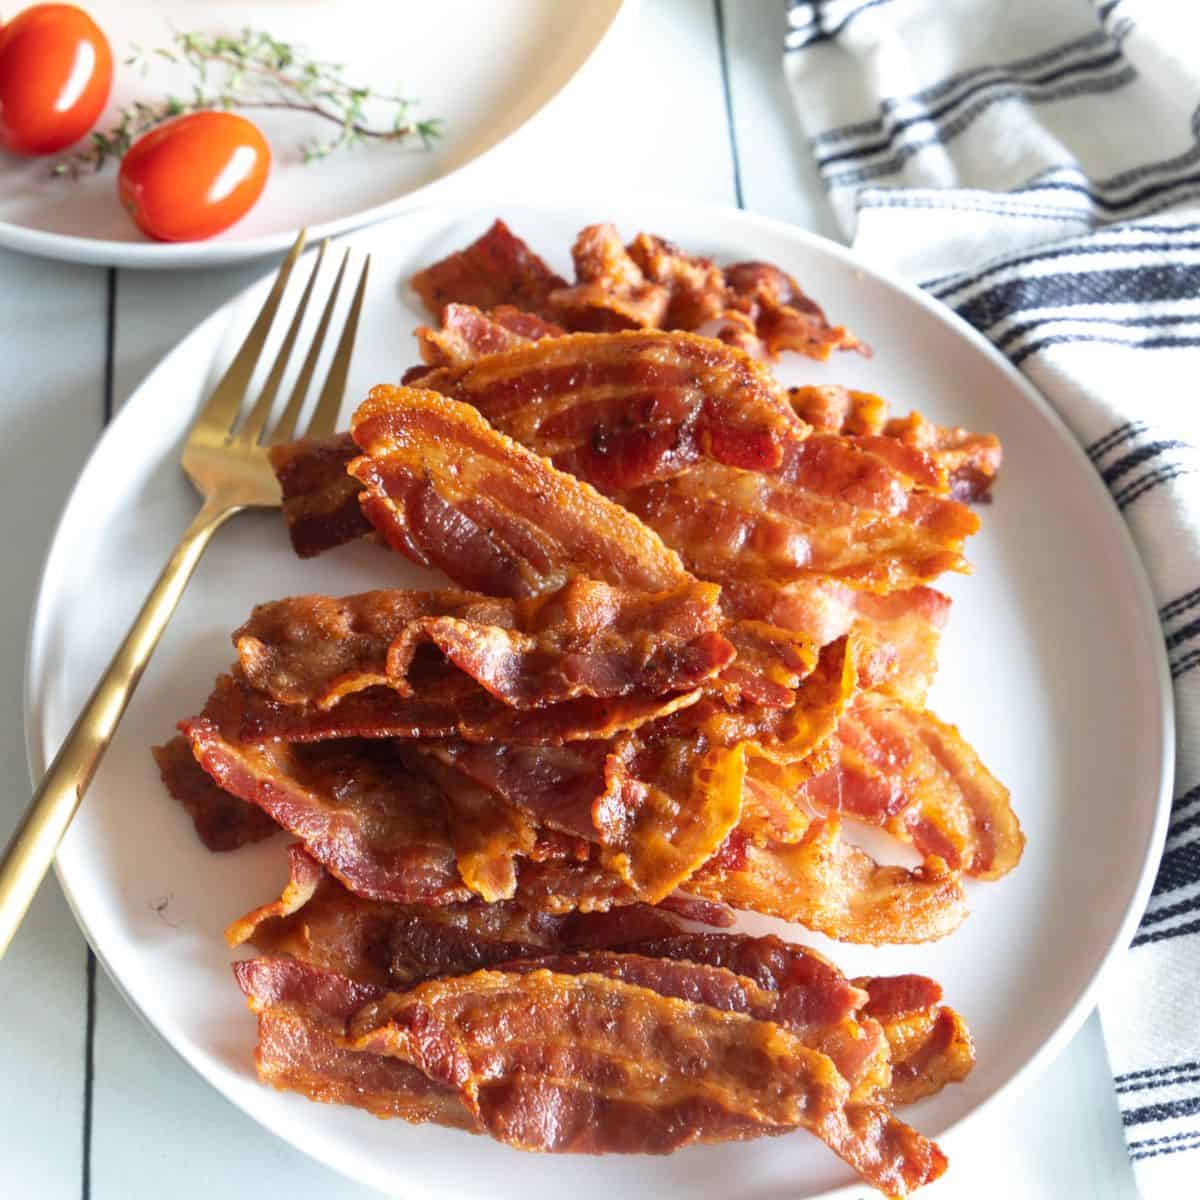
x: 1037, y: 167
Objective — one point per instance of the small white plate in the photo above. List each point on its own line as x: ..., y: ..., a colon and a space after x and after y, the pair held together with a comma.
x: 1052, y: 666
x: 485, y: 67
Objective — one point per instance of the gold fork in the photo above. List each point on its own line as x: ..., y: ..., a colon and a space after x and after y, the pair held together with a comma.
x: 227, y: 462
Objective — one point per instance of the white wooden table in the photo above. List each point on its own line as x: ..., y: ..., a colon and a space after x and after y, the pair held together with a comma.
x: 691, y: 103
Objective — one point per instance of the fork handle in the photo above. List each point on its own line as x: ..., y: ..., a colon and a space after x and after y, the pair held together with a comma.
x: 31, y: 850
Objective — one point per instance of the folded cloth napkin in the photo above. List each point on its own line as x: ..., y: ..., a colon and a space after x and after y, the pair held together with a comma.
x: 1036, y: 166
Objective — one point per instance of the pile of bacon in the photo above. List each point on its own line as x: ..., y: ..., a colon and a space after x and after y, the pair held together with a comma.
x: 688, y: 655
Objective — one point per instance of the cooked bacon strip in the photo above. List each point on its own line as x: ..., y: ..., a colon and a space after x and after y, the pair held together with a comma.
x: 610, y: 292
x: 695, y: 285
x: 302, y: 1015
x: 586, y: 640
x: 896, y: 634
x: 223, y: 822
x: 857, y: 1047
x: 830, y: 408
x: 930, y: 1043
x: 320, y: 500
x: 342, y: 799
x: 588, y: 1064
x: 496, y: 269
x: 376, y: 824
x: 648, y: 284
x: 832, y: 508
x: 622, y: 409
x: 321, y: 923
x: 970, y: 460
x: 450, y: 492
x: 467, y: 333
x: 902, y: 769
x: 658, y: 807
x: 382, y: 827
x: 524, y: 527
x: 833, y: 887
x: 665, y: 425
x: 471, y: 714
x: 370, y: 814
x: 783, y: 317
x: 900, y: 630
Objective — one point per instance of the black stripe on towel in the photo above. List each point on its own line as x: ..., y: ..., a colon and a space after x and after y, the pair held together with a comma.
x: 952, y: 88
x: 1187, y: 663
x: 1154, y: 1072
x: 1152, y: 239
x: 1190, y: 1141
x: 1146, y: 283
x: 1135, y: 459
x: 1179, y: 868
x: 1067, y: 326
x: 1102, y: 445
x: 1166, y: 1111
x: 1183, y: 604
x: 950, y: 128
x: 1152, y: 1084
x: 1109, y: 60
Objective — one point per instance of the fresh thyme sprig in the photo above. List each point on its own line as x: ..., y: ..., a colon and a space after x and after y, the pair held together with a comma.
x: 256, y: 71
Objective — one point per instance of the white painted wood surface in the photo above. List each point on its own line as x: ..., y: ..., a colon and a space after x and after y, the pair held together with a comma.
x: 690, y: 103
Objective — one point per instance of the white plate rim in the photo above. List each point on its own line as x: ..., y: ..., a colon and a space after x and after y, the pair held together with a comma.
x: 151, y: 255
x: 1086, y: 1001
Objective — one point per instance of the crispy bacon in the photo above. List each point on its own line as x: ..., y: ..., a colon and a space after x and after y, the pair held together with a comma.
x: 901, y: 768
x: 388, y: 945
x: 831, y: 508
x: 829, y: 885
x: 320, y: 923
x: 857, y: 1047
x: 783, y: 317
x: 450, y: 492
x: 302, y: 1015
x: 968, y: 461
x: 646, y: 285
x: 223, y: 822
x: 610, y: 292
x: 475, y: 716
x: 695, y: 285
x: 830, y: 408
x: 930, y: 1043
x: 390, y: 831
x: 658, y: 807
x: 586, y: 640
x: 622, y: 409
x: 896, y: 634
x: 587, y: 1064
x: 393, y: 829
x: 360, y: 809
x: 320, y: 500
x: 467, y: 333
x: 670, y: 429
x: 899, y: 631
x: 496, y: 269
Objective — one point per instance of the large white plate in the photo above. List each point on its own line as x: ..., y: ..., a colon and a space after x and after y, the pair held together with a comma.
x: 486, y: 67
x: 1052, y: 666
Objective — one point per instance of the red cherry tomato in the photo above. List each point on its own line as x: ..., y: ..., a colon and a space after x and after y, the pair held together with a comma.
x: 56, y: 72
x: 194, y: 176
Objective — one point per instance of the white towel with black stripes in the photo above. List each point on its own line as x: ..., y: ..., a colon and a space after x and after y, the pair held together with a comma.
x: 1036, y: 165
